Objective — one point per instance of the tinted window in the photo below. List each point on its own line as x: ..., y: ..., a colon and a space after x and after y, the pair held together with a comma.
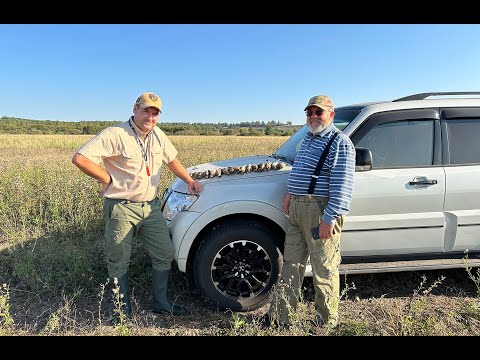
x: 400, y: 143
x: 343, y: 117
x: 463, y: 138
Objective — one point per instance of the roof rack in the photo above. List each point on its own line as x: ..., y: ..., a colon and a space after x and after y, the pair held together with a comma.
x: 422, y: 96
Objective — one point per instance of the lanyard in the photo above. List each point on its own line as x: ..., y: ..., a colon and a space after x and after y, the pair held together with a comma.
x: 144, y: 151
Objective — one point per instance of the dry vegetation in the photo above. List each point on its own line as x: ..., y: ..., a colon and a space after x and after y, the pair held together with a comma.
x: 53, y: 276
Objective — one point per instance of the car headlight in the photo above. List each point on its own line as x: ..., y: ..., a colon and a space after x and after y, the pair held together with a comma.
x: 178, y: 202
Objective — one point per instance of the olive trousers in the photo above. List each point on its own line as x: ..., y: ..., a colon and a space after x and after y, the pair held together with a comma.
x: 304, y: 213
x: 123, y: 220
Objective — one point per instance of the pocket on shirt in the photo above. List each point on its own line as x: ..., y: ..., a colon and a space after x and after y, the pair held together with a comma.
x: 131, y: 159
x: 157, y: 157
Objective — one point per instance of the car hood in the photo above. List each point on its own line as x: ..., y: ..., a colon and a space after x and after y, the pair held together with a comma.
x: 236, y: 167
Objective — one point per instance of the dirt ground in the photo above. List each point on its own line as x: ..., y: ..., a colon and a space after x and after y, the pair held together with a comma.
x: 372, y: 298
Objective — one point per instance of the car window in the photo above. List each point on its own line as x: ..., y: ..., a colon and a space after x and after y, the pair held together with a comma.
x: 400, y: 143
x: 343, y: 117
x: 463, y: 137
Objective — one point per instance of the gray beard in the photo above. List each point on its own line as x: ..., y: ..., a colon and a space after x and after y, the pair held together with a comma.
x: 315, y: 129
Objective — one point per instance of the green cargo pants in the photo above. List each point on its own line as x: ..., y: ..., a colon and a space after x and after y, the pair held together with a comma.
x: 123, y: 220
x: 304, y: 214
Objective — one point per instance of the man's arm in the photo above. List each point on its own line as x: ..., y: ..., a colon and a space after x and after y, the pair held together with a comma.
x: 93, y: 170
x: 341, y: 186
x: 178, y: 170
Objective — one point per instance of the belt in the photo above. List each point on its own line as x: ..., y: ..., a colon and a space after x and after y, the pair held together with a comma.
x: 308, y: 197
x: 123, y: 201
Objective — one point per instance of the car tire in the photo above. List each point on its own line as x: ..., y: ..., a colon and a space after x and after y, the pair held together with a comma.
x: 237, y: 264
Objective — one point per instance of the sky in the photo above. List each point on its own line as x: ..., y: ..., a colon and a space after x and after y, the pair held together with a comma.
x: 216, y: 73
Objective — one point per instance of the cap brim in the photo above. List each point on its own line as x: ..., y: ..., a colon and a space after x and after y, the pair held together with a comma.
x: 146, y: 105
x: 323, y: 107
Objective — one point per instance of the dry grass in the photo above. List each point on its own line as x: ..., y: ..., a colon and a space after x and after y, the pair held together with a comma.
x: 52, y: 272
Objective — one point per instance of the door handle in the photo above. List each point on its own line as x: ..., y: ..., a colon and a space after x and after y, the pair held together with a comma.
x: 423, y: 182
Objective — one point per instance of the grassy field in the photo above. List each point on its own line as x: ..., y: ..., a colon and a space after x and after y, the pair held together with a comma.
x: 53, y: 276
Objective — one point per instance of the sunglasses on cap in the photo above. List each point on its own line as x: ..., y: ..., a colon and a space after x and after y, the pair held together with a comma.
x: 316, y: 112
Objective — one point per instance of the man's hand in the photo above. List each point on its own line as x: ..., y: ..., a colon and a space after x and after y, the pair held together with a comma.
x: 104, y: 189
x: 105, y: 186
x: 195, y: 187
x: 178, y: 170
x: 326, y: 231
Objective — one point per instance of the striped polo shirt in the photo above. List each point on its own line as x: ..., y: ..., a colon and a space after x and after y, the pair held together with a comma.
x: 335, y: 180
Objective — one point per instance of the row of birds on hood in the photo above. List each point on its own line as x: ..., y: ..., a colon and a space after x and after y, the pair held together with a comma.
x: 264, y: 166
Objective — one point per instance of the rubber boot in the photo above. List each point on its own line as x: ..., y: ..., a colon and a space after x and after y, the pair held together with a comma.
x: 161, y: 304
x: 125, y: 290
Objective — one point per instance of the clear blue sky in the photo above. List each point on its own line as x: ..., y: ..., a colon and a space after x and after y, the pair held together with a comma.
x: 226, y: 73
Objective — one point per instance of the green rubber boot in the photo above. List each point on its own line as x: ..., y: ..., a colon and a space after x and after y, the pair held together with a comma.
x: 161, y: 303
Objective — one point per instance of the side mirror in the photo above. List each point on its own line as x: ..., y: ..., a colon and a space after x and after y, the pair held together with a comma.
x: 363, y: 159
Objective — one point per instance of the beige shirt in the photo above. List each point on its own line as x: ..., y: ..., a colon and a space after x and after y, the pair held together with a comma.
x: 119, y: 149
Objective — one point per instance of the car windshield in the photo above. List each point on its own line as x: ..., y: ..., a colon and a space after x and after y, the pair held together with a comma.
x: 289, y: 149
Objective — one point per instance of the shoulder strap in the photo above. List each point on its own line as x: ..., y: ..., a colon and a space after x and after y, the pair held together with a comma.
x: 313, y: 182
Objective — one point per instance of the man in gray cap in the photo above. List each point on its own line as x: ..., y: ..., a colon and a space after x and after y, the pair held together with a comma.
x: 317, y: 200
x: 132, y: 153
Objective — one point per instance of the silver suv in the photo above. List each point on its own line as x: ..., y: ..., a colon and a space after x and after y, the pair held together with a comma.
x: 415, y: 205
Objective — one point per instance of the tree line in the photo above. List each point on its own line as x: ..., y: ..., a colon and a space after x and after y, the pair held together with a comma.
x: 13, y: 125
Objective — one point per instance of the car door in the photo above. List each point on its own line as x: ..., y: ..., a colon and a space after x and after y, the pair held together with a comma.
x: 397, y: 207
x: 461, y: 134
